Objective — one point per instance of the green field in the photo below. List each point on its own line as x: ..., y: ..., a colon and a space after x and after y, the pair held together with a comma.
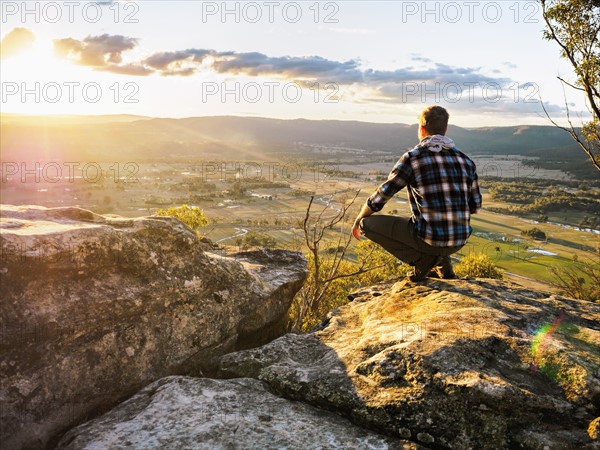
x: 499, y: 237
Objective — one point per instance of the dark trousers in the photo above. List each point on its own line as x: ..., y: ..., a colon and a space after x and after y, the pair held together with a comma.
x: 398, y: 236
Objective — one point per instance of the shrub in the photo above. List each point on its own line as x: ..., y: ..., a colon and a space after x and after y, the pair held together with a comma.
x: 478, y: 265
x: 581, y: 281
x: 192, y: 216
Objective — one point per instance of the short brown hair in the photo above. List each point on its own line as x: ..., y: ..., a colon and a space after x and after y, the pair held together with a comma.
x: 434, y: 119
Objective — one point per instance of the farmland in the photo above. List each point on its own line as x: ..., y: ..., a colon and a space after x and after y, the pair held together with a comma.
x: 270, y: 199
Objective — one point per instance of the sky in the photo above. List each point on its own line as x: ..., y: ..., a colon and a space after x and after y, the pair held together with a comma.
x: 485, y: 61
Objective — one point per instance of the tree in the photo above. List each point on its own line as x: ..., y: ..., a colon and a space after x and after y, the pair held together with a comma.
x: 253, y: 239
x: 534, y: 233
x: 330, y: 274
x: 575, y: 26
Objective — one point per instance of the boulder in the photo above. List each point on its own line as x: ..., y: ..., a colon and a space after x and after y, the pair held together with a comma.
x: 94, y: 307
x: 187, y: 413
x: 458, y: 364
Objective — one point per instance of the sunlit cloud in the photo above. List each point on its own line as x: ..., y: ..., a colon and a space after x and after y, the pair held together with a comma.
x: 16, y: 41
x: 96, y: 51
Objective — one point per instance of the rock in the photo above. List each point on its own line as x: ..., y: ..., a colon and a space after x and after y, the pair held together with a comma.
x: 198, y: 413
x: 459, y: 364
x: 93, y: 308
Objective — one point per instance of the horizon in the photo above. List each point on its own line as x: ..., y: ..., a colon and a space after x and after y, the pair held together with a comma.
x: 143, y: 117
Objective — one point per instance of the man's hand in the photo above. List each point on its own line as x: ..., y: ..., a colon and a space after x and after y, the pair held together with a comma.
x: 364, y: 212
x: 356, y: 231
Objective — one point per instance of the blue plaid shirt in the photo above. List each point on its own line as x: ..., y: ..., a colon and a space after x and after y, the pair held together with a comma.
x: 442, y: 190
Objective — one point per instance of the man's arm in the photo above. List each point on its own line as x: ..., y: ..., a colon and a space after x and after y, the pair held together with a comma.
x: 396, y: 181
x: 475, y: 198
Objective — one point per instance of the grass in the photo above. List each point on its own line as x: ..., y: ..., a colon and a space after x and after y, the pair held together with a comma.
x: 512, y: 255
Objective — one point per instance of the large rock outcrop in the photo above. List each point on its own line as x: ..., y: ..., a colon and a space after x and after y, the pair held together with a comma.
x: 184, y: 413
x: 461, y: 364
x: 93, y: 308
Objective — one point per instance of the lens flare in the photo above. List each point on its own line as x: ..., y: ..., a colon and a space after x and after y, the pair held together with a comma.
x: 541, y: 339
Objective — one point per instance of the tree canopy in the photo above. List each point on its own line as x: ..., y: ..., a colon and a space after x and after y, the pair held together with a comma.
x: 575, y: 26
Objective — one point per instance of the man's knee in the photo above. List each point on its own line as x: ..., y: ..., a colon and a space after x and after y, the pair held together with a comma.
x: 362, y: 224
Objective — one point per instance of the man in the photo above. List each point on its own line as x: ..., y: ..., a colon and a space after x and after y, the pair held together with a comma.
x: 443, y: 193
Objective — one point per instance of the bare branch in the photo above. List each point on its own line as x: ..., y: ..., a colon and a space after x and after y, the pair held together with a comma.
x: 305, y: 223
x: 357, y: 272
x: 571, y: 131
x: 571, y: 85
x: 310, y: 299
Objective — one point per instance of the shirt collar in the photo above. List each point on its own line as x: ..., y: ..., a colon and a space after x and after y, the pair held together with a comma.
x: 436, y: 143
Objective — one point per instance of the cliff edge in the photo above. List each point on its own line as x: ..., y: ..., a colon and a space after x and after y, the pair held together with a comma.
x: 93, y: 308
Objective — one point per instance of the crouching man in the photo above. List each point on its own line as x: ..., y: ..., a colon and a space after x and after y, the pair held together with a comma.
x: 442, y: 188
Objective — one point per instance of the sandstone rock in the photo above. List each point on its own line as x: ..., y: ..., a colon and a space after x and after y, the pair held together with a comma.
x: 199, y: 413
x: 93, y: 308
x: 478, y: 364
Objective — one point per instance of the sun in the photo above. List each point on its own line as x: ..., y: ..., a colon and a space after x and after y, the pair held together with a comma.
x: 36, y: 81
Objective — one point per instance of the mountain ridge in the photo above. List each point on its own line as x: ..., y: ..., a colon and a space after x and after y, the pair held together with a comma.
x: 234, y: 137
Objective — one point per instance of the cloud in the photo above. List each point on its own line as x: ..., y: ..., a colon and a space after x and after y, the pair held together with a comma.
x: 162, y: 60
x: 438, y: 73
x: 95, y: 51
x: 105, y: 53
x: 16, y: 41
x: 418, y: 57
x: 309, y: 67
x: 180, y: 63
x: 405, y: 84
x: 127, y: 69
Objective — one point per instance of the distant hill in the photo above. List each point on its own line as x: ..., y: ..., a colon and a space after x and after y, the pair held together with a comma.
x: 62, y: 119
x: 119, y: 137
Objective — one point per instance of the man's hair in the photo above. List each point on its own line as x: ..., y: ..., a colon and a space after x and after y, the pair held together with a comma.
x: 434, y: 119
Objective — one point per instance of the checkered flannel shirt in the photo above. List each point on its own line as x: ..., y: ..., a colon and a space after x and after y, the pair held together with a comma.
x: 442, y: 190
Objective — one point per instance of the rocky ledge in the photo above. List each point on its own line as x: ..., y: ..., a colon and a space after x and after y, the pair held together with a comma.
x: 460, y: 364
x: 93, y: 308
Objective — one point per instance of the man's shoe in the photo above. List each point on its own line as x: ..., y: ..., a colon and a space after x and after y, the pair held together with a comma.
x: 444, y: 269
x: 423, y: 266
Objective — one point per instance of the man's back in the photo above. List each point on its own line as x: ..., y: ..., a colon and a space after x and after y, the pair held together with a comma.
x: 443, y: 193
x: 442, y: 190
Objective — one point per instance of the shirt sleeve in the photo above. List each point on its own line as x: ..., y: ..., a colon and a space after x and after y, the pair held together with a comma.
x: 475, y: 197
x: 397, y: 179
